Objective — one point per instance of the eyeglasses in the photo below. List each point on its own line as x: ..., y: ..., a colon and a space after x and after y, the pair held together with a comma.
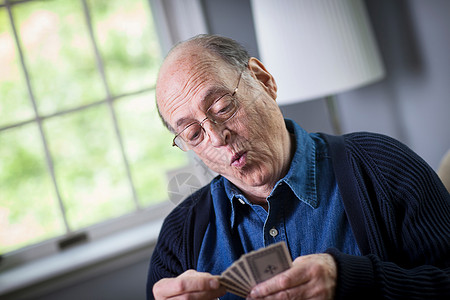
x: 221, y: 111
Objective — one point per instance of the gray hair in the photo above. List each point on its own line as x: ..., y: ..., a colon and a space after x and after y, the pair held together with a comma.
x: 225, y: 48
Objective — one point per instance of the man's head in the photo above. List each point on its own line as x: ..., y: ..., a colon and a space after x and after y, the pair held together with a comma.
x: 251, y: 148
x: 224, y: 48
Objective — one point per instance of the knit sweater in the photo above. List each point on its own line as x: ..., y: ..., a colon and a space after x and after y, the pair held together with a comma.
x: 402, y: 225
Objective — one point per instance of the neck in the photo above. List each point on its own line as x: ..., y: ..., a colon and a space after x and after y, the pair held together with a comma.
x: 258, y: 194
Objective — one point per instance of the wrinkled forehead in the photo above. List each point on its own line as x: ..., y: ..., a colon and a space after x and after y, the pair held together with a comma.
x: 183, y: 65
x: 187, y: 75
x: 177, y: 75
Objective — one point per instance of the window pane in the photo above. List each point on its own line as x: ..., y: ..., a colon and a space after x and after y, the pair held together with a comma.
x: 89, y: 166
x: 15, y: 105
x: 85, y: 152
x: 127, y: 42
x: 28, y: 206
x: 58, y: 54
x: 148, y: 146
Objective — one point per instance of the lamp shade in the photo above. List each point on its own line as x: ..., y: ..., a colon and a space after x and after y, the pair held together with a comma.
x: 316, y: 48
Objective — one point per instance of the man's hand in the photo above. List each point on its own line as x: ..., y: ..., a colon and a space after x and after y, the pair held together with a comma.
x: 310, y: 277
x: 189, y: 285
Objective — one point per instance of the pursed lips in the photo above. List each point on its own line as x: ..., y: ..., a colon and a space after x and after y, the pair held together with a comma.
x: 238, y: 160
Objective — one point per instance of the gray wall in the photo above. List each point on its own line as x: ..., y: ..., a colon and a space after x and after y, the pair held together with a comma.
x: 123, y: 284
x: 413, y: 102
x: 117, y: 278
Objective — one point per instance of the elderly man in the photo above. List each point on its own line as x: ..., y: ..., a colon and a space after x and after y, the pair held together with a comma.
x: 362, y: 215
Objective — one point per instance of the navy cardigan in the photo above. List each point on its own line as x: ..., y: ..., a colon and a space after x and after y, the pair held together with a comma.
x: 397, y: 207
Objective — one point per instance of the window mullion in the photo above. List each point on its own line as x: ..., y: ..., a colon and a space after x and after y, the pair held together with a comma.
x: 38, y: 119
x: 110, y: 99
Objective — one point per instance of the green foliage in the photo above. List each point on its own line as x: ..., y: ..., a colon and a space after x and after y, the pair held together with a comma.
x: 28, y: 208
x: 84, y: 145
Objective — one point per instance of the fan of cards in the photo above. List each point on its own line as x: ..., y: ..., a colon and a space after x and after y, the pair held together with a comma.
x: 255, y: 267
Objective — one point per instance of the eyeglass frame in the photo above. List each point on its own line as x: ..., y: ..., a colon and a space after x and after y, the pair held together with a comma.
x: 174, y: 144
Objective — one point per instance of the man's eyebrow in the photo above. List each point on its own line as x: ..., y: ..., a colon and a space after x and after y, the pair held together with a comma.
x: 180, y: 122
x: 212, y: 93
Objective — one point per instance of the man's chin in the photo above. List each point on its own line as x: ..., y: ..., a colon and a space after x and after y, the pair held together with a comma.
x: 248, y: 178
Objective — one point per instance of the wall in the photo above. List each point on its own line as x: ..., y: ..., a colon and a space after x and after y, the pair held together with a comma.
x: 413, y: 102
x: 125, y: 283
x: 113, y: 278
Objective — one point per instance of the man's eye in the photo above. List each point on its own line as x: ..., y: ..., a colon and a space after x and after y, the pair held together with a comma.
x: 194, y: 134
x: 222, y: 107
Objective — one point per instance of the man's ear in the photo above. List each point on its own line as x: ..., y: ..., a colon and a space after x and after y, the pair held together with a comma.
x: 263, y: 76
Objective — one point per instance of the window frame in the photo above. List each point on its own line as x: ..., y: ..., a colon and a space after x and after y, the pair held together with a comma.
x: 171, y: 18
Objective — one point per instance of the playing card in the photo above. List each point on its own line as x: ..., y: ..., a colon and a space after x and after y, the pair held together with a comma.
x: 255, y: 267
x: 232, y: 288
x: 242, y: 267
x: 268, y: 262
x: 230, y: 275
x: 238, y: 273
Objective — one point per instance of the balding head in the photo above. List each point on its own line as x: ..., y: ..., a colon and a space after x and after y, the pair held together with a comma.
x: 202, y: 51
x: 224, y: 48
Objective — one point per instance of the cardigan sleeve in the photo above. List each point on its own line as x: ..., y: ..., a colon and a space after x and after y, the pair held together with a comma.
x: 407, y: 218
x: 368, y: 277
x: 167, y: 257
x: 180, y: 238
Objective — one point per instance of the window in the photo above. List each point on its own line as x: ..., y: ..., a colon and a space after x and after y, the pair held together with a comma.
x: 80, y: 138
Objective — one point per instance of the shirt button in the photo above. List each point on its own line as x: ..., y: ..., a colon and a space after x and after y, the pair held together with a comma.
x: 242, y: 201
x: 273, y: 232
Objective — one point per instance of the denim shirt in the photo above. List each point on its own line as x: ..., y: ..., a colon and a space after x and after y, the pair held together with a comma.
x: 305, y: 210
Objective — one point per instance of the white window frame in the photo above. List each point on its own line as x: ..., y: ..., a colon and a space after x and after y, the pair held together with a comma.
x: 175, y: 20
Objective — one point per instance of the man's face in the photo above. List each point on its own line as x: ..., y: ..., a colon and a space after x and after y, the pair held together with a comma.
x: 249, y: 149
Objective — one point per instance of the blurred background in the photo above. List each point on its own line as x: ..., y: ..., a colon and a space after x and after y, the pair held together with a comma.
x: 86, y: 167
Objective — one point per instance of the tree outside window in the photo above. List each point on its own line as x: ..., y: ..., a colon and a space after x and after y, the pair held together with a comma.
x: 80, y: 138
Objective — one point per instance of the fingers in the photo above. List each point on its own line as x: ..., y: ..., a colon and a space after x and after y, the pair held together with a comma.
x: 189, y: 285
x: 311, y: 277
x: 282, y: 284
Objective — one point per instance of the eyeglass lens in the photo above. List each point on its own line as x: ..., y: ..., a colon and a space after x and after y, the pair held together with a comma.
x: 219, y: 112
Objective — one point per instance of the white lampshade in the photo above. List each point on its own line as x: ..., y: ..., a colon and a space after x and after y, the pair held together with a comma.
x: 316, y: 48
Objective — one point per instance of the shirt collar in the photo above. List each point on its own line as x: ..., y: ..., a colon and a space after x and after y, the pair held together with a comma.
x: 301, y: 177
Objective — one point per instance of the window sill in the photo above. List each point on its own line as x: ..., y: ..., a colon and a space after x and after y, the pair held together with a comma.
x: 107, y: 249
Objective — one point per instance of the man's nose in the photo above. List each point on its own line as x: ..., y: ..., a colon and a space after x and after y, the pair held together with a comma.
x: 218, y: 133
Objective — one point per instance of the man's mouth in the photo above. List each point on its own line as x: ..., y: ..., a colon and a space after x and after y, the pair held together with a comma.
x: 239, y: 159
